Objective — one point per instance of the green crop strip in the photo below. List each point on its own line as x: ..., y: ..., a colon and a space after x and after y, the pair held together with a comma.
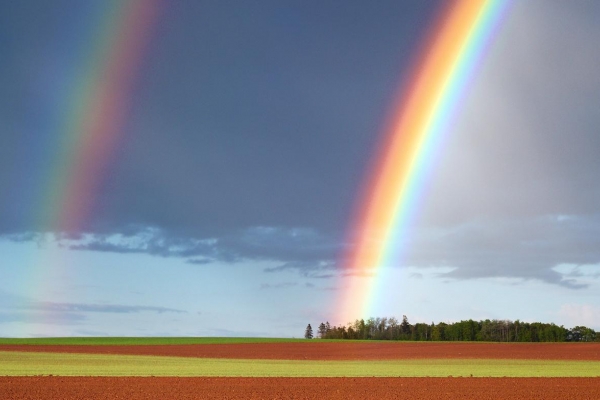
x: 27, y: 363
x: 121, y: 341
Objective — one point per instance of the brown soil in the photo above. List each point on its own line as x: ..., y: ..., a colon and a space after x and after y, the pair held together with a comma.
x: 320, y: 350
x: 297, y: 388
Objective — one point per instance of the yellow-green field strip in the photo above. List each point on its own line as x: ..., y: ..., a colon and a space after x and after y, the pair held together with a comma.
x: 28, y: 363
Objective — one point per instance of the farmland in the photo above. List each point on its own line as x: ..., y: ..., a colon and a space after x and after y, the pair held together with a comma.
x: 321, y: 350
x: 136, y: 388
x: 31, y: 363
x: 140, y: 368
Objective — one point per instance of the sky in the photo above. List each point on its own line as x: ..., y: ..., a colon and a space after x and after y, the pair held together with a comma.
x: 248, y: 130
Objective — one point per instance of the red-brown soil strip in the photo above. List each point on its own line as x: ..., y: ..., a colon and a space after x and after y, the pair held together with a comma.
x: 342, y: 351
x: 51, y: 388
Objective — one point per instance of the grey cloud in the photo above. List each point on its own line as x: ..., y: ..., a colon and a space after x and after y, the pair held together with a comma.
x: 95, y: 308
x: 314, y: 270
x: 199, y: 261
x: 299, y: 247
x: 22, y: 237
x: 526, y: 272
x: 106, y: 247
x: 527, y: 248
x: 68, y: 318
x: 581, y: 271
x: 281, y: 285
x: 67, y: 313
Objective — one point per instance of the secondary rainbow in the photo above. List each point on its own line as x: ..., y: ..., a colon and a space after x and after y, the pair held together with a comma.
x: 96, y: 111
x: 96, y: 105
x: 391, y: 195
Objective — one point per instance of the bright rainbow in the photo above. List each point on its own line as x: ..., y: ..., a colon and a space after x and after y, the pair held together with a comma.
x: 446, y: 65
x: 94, y: 114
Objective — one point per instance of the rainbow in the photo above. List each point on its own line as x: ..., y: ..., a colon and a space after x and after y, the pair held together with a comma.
x: 392, y: 193
x: 93, y: 117
x: 97, y: 111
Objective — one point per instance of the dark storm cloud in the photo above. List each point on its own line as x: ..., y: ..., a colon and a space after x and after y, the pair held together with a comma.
x: 270, y: 119
x: 246, y: 116
x: 253, y: 124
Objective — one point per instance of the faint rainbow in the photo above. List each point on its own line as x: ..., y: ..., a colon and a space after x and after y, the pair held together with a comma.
x: 100, y: 105
x: 445, y: 66
x: 96, y: 112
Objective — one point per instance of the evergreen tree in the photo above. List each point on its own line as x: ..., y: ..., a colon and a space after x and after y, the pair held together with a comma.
x: 308, y: 333
x: 322, y: 331
x: 405, y: 326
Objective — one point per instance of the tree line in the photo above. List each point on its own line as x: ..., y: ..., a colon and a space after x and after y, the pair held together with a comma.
x: 470, y: 330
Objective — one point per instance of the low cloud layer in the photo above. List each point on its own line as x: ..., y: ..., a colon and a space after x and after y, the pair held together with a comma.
x: 523, y: 248
x: 17, y: 308
x: 97, y: 308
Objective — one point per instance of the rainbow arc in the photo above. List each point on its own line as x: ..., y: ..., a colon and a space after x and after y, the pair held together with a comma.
x: 446, y: 65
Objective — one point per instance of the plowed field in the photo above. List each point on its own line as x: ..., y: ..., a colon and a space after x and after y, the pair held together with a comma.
x: 137, y: 388
x: 29, y: 388
x: 343, y: 351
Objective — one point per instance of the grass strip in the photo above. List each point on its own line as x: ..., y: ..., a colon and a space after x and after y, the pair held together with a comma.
x: 118, y: 341
x: 28, y: 363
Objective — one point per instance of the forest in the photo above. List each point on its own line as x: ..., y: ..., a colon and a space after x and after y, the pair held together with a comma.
x: 469, y: 330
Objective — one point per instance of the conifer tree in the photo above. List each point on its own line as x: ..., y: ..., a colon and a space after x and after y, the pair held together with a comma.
x: 308, y: 333
x: 405, y: 326
x: 322, y: 331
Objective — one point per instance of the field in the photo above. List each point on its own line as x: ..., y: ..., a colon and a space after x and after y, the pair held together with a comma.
x: 144, y: 368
